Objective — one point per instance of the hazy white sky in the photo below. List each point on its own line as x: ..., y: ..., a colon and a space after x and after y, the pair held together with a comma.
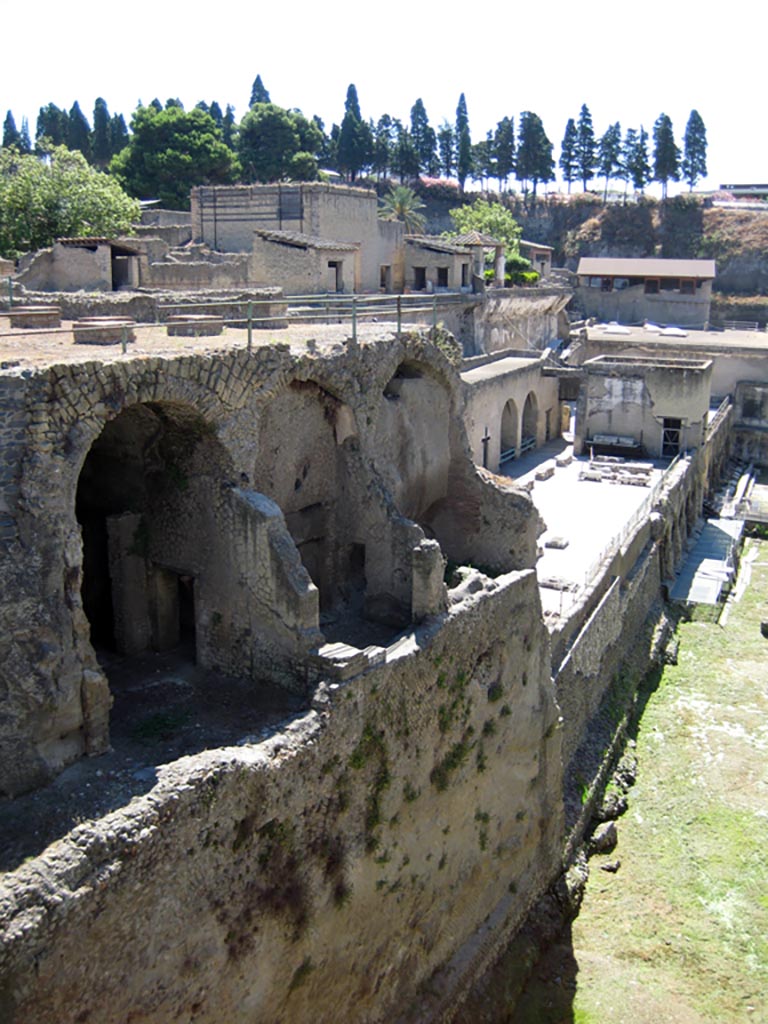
x: 626, y: 64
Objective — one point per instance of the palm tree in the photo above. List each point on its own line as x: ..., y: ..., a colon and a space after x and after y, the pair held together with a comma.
x: 402, y: 203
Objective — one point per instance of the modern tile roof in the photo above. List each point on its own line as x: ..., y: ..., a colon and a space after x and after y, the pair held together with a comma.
x: 302, y: 241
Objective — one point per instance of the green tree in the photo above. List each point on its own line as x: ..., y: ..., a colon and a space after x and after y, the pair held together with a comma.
x: 101, y: 142
x: 569, y: 153
x: 424, y: 138
x: 258, y: 93
x: 405, y: 158
x: 585, y: 146
x: 41, y: 200
x: 228, y: 130
x: 666, y: 155
x: 463, y: 143
x: 609, y: 154
x: 694, y: 164
x: 489, y: 218
x: 355, y: 145
x: 52, y: 125
x: 384, y: 141
x: 25, y: 143
x: 271, y: 138
x: 118, y: 133
x: 534, y: 151
x: 484, y: 159
x: 504, y: 150
x: 169, y: 152
x: 635, y: 158
x: 79, y: 131
x: 446, y: 144
x: 11, y: 134
x: 401, y: 203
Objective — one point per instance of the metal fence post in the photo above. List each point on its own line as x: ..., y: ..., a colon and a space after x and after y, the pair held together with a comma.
x: 434, y: 313
x: 250, y: 325
x: 124, y: 340
x: 10, y: 292
x: 399, y: 315
x: 354, y: 318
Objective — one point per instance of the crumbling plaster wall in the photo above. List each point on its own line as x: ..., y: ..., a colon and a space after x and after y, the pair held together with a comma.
x: 519, y: 318
x: 58, y: 698
x: 327, y: 872
x: 632, y: 305
x: 632, y: 400
x: 65, y: 267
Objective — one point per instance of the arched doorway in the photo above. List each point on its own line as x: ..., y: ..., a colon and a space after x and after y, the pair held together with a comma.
x: 509, y: 433
x: 530, y: 422
x: 145, y: 503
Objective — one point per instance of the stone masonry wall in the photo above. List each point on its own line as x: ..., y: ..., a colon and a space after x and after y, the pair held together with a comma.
x: 325, y: 873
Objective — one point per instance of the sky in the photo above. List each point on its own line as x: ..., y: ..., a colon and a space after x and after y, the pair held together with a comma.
x: 626, y: 64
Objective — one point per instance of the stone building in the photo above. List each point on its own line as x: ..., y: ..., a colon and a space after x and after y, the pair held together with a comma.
x: 226, y: 218
x: 633, y: 290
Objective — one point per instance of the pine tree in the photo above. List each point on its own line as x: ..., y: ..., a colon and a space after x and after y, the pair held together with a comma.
x: 101, y: 147
x: 424, y: 138
x: 694, y: 165
x: 609, y: 155
x: 504, y: 150
x: 355, y: 146
x: 228, y: 132
x: 405, y: 158
x: 463, y: 143
x: 79, y: 131
x: 446, y: 144
x: 52, y: 125
x: 384, y: 138
x: 11, y: 134
x: 636, y: 158
x: 118, y: 133
x: 569, y: 153
x: 585, y: 146
x: 666, y: 155
x: 258, y: 93
x: 534, y: 151
x: 215, y: 111
x: 25, y: 143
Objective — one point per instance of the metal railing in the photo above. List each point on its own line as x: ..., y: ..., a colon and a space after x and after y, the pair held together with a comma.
x: 717, y: 419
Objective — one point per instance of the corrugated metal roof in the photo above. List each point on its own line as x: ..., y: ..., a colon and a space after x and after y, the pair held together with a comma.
x: 605, y: 266
x: 302, y: 241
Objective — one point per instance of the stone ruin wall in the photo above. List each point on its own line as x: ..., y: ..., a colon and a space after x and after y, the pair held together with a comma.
x: 338, y: 864
x: 399, y: 831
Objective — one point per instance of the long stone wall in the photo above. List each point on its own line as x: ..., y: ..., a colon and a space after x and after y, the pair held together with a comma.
x: 330, y: 870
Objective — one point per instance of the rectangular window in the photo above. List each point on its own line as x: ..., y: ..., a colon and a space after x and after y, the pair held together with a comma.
x: 442, y: 277
x: 651, y: 286
x: 620, y: 283
x: 687, y: 286
x: 607, y: 285
x: 671, y: 433
x: 464, y: 275
x: 670, y: 284
x: 419, y: 278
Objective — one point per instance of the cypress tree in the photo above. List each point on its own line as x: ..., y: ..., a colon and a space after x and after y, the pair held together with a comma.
x: 79, y: 131
x: 504, y: 150
x: 585, y: 146
x: 666, y: 155
x: 258, y: 93
x: 609, y: 154
x: 101, y: 143
x: 11, y: 134
x: 694, y: 165
x: 569, y: 153
x: 463, y: 143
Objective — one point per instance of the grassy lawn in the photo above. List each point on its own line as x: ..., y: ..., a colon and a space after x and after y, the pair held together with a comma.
x: 680, y: 932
